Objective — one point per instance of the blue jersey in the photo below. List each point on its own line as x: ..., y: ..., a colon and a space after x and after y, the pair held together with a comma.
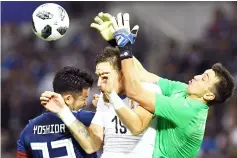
x: 46, y: 136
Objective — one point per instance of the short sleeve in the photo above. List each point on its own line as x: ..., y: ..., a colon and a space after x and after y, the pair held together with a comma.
x: 98, y: 118
x: 168, y: 86
x: 22, y: 148
x: 176, y: 110
x: 21, y: 143
x: 85, y: 117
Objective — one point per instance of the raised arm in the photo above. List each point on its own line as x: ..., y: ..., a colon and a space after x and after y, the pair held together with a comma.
x: 136, y: 120
x: 125, y: 38
x: 143, y: 74
x: 133, y: 86
x: 90, y: 138
x: 103, y: 24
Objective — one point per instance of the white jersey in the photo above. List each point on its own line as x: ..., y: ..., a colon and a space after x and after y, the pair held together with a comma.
x: 118, y: 140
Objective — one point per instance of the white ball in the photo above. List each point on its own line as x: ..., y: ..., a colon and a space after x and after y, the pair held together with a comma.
x: 50, y: 21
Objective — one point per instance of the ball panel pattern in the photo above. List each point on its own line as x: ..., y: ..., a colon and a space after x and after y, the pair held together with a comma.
x: 46, y: 32
x: 62, y: 30
x: 44, y: 15
x: 50, y: 21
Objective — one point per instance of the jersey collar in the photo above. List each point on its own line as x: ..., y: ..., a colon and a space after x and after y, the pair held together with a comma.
x: 122, y: 96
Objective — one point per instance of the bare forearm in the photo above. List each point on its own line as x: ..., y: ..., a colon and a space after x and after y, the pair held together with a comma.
x: 131, y: 120
x: 150, y: 77
x: 133, y: 86
x: 84, y: 136
x: 132, y: 81
x: 136, y: 120
x: 138, y: 65
x: 143, y: 74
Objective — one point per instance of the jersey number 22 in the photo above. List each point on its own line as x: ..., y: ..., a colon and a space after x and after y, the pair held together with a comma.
x: 55, y: 144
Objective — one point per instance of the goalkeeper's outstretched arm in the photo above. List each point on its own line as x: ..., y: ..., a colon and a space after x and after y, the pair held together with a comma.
x: 125, y: 38
x: 143, y: 74
x: 134, y: 88
x: 103, y: 24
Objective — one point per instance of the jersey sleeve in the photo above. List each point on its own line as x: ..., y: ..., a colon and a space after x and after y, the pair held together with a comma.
x: 22, y: 151
x: 85, y: 117
x: 98, y: 118
x: 176, y: 110
x: 167, y: 86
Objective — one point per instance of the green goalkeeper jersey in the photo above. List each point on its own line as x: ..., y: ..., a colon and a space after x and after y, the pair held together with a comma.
x: 181, y: 122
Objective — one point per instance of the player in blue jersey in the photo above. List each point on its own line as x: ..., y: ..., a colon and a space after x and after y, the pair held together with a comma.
x: 46, y: 136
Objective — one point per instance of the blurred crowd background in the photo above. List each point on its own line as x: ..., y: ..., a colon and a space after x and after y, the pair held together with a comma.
x: 176, y: 40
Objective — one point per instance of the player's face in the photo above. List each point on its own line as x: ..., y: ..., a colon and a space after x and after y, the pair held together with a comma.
x: 77, y: 102
x: 80, y: 101
x: 115, y: 75
x: 201, y: 85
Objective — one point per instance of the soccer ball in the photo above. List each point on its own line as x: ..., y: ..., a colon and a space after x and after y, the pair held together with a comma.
x: 50, y: 21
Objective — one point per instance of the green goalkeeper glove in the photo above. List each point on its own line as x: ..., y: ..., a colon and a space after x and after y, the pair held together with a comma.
x: 103, y: 23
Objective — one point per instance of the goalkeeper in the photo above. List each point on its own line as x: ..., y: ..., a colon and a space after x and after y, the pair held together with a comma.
x: 182, y: 109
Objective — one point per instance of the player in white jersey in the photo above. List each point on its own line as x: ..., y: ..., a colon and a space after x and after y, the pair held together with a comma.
x: 118, y: 139
x: 116, y: 134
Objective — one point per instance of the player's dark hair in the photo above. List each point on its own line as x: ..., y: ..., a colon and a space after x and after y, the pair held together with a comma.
x: 111, y: 55
x: 225, y: 87
x: 71, y: 80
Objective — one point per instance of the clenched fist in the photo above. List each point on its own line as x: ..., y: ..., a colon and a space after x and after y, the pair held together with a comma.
x: 52, y: 101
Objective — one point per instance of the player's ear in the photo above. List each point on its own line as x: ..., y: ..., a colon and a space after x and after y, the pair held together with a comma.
x: 209, y: 96
x: 68, y: 98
